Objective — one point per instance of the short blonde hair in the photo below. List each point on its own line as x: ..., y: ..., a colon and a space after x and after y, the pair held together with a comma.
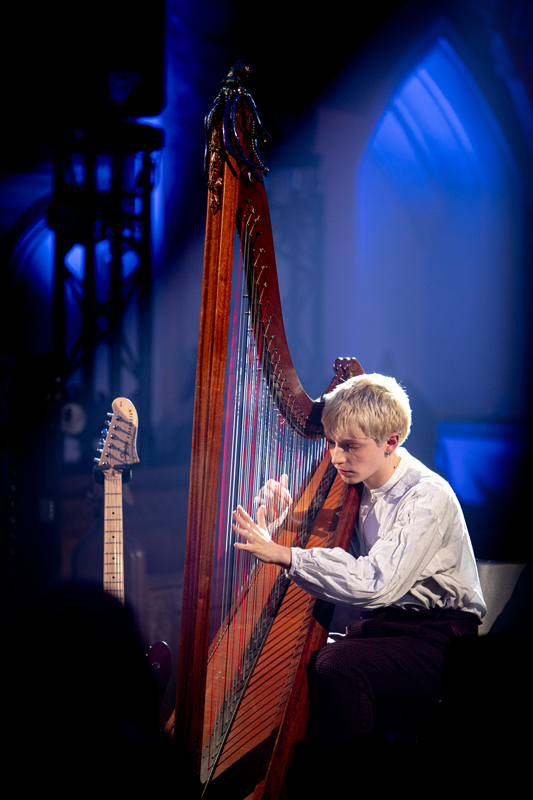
x: 373, y: 404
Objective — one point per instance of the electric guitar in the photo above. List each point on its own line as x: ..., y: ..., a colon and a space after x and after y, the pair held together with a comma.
x: 117, y: 455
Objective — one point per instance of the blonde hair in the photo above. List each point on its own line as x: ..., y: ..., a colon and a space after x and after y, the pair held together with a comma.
x: 373, y: 404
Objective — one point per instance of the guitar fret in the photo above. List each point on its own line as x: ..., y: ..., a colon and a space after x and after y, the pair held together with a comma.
x: 113, y: 571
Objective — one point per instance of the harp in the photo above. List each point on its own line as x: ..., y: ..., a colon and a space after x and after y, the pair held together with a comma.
x: 241, y: 707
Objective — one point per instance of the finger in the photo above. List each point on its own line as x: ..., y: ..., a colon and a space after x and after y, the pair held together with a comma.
x: 284, y: 480
x: 242, y: 546
x: 261, y: 517
x: 241, y: 531
x: 240, y: 525
x: 241, y: 515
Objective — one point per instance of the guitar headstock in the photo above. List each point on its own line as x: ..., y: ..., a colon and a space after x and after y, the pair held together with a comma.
x: 119, y: 437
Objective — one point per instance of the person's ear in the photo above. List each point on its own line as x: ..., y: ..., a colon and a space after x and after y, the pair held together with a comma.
x: 392, y: 443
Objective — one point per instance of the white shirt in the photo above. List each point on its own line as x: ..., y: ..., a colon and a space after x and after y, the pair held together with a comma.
x: 415, y: 551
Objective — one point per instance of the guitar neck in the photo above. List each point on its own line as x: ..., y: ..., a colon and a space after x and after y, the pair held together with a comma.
x: 113, y: 540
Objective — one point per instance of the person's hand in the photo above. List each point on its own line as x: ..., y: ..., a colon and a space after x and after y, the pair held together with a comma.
x: 275, y: 498
x: 257, y: 539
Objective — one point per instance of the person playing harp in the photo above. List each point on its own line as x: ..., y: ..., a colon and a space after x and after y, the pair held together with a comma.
x: 409, y: 575
x: 247, y: 631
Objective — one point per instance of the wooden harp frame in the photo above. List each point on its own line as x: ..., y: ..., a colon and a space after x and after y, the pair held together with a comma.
x: 237, y: 197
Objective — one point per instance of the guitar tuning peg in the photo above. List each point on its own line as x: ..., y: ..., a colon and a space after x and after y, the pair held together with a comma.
x: 104, y: 432
x: 96, y: 460
x: 109, y: 414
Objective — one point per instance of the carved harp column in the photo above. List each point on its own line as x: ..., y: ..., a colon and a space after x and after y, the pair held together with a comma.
x: 244, y: 748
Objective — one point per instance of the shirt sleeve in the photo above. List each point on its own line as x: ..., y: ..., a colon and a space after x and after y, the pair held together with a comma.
x: 393, y: 564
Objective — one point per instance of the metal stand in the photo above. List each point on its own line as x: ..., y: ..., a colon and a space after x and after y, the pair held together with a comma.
x: 101, y: 335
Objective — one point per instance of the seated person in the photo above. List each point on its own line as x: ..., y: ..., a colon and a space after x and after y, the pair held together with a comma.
x: 410, y: 573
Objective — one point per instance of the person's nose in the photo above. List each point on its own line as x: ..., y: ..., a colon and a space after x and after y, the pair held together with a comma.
x: 337, y: 455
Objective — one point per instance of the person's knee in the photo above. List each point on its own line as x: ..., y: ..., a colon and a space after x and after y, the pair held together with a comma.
x: 322, y: 663
x: 331, y: 663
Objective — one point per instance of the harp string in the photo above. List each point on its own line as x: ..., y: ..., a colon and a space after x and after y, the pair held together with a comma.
x: 258, y: 445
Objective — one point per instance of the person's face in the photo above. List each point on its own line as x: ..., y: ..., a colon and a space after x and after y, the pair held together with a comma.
x: 360, y: 459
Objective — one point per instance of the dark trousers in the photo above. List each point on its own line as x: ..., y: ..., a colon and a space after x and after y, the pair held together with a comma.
x: 383, y: 675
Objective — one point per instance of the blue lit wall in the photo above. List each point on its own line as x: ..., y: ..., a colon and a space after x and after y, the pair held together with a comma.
x: 438, y: 252
x: 424, y: 264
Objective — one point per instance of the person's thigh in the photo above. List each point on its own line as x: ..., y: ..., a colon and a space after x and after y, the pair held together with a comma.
x: 353, y: 679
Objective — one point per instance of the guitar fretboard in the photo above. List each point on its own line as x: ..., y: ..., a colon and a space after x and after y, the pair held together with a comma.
x: 113, y: 543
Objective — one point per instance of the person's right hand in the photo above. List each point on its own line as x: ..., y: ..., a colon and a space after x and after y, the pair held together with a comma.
x: 275, y: 498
